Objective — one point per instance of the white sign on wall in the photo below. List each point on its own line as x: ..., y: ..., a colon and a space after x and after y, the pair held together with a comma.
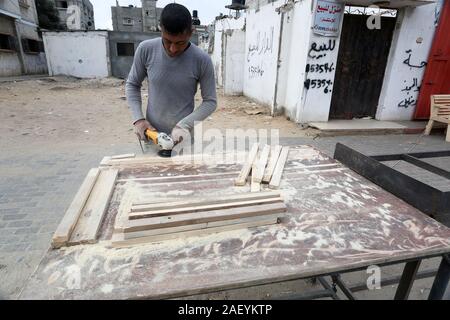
x: 327, y: 17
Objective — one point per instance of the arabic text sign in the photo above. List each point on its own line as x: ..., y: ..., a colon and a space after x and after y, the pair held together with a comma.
x: 328, y: 17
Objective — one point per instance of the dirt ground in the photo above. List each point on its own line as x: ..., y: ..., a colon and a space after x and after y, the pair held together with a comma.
x: 64, y: 110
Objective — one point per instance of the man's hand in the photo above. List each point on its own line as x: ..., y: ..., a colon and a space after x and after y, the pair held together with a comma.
x: 179, y: 134
x: 139, y: 128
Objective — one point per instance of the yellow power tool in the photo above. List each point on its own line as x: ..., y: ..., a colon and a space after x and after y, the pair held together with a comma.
x: 161, y: 139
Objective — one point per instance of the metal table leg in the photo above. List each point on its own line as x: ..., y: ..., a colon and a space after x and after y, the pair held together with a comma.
x: 441, y: 280
x: 407, y: 280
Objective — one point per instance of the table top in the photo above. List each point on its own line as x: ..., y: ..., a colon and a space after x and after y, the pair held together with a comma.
x: 336, y: 221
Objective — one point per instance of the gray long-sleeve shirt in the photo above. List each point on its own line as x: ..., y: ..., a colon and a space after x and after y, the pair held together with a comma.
x: 172, y: 84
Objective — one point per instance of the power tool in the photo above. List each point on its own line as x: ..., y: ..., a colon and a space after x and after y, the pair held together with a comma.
x: 161, y: 139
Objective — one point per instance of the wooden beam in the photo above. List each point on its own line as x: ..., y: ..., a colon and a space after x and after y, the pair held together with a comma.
x: 242, y: 178
x: 67, y: 224
x: 145, y: 206
x: 92, y: 215
x: 274, y: 155
x: 118, y: 240
x: 260, y: 165
x: 146, y: 233
x: 254, y: 185
x: 278, y: 172
x: 202, y: 217
x: 200, y: 208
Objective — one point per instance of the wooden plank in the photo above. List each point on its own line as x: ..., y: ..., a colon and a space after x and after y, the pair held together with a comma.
x: 202, y: 217
x: 92, y: 215
x: 124, y: 210
x: 242, y: 178
x: 278, y: 172
x: 274, y: 155
x: 200, y: 208
x: 203, y: 201
x: 255, y: 186
x: 124, y: 156
x: 260, y: 165
x: 118, y: 240
x: 67, y: 224
x: 146, y: 233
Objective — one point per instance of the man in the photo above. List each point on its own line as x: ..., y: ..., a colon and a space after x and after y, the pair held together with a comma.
x: 174, y: 67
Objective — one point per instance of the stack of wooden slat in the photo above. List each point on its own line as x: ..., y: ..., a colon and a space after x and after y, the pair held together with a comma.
x: 268, y: 168
x: 84, y: 216
x: 145, y: 222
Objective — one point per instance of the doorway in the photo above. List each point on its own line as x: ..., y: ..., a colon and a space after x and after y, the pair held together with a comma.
x: 361, y: 64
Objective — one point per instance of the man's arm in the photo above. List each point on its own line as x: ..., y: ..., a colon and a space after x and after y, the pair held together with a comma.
x: 133, y: 85
x: 209, y: 96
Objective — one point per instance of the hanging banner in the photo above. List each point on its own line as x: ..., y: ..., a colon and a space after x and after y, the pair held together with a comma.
x: 327, y: 18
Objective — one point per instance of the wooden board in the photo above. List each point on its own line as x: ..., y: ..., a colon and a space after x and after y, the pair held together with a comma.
x: 123, y: 156
x: 146, y: 233
x: 92, y: 215
x: 278, y: 172
x: 202, y: 217
x: 260, y: 165
x: 118, y: 240
x: 67, y: 224
x: 274, y: 155
x: 200, y: 208
x: 144, y: 206
x: 242, y: 178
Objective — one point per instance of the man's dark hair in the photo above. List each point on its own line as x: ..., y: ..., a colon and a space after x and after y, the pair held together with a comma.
x: 176, y: 19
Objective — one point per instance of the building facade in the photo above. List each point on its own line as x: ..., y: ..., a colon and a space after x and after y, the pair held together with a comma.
x: 76, y: 14
x: 135, y: 19
x: 317, y: 60
x: 21, y: 48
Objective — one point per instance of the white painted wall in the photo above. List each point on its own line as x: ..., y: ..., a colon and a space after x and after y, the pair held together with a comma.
x: 293, y: 57
x: 219, y: 53
x: 261, y: 53
x: 233, y: 77
x: 415, y: 31
x: 79, y: 54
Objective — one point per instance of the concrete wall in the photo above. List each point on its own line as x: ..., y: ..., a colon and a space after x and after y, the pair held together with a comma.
x: 119, y: 13
x: 79, y: 54
x: 11, y: 6
x: 234, y: 58
x: 293, y: 56
x: 150, y: 16
x: 9, y: 61
x: 261, y: 53
x: 411, y: 44
x: 35, y: 63
x: 121, y: 65
x: 219, y: 52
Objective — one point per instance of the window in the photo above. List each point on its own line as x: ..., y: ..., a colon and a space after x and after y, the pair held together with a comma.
x: 32, y: 46
x: 61, y: 4
x: 7, y: 42
x: 125, y: 49
x: 128, y: 21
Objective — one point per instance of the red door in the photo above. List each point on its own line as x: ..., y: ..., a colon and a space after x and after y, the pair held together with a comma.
x: 437, y: 74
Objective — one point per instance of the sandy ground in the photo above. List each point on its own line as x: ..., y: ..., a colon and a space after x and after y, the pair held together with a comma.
x: 62, y: 110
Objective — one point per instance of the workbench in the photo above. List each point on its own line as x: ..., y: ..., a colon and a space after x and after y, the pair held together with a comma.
x: 337, y: 222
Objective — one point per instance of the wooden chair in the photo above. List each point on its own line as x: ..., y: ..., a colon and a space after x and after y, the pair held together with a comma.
x: 440, y: 111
